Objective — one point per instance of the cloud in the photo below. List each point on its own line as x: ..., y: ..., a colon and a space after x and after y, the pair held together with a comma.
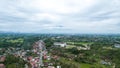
x: 61, y: 16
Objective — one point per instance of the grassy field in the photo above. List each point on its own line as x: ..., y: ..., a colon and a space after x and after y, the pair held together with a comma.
x: 83, y: 43
x: 84, y: 65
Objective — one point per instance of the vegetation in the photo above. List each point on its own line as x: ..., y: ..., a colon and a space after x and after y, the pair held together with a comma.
x: 14, y: 62
x: 101, y: 50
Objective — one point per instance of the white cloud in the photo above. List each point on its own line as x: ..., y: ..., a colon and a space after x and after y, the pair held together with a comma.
x: 77, y: 16
x: 57, y: 6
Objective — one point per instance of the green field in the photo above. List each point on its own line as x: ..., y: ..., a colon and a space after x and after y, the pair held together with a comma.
x: 83, y: 43
x: 84, y: 65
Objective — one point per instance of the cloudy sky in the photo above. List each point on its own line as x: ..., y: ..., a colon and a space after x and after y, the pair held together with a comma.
x: 60, y: 16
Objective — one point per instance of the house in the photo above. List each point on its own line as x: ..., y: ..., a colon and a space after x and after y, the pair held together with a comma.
x: 2, y: 58
x: 61, y: 44
x: 2, y: 66
x: 117, y: 45
x: 58, y: 66
x: 51, y: 67
x: 55, y: 57
x: 105, y: 63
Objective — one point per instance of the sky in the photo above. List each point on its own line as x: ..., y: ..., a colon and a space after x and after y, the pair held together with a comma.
x: 60, y: 16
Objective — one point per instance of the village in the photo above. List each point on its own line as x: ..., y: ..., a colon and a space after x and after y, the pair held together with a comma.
x: 59, y: 54
x: 36, y: 60
x: 39, y: 56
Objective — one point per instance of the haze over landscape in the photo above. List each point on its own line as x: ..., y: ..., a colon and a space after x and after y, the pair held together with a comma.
x: 59, y: 33
x: 60, y: 16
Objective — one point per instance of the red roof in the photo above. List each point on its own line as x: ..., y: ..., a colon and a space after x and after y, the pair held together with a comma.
x: 2, y: 66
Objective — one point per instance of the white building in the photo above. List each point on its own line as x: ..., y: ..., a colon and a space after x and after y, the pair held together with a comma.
x: 58, y: 66
x: 117, y: 45
x: 61, y: 44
